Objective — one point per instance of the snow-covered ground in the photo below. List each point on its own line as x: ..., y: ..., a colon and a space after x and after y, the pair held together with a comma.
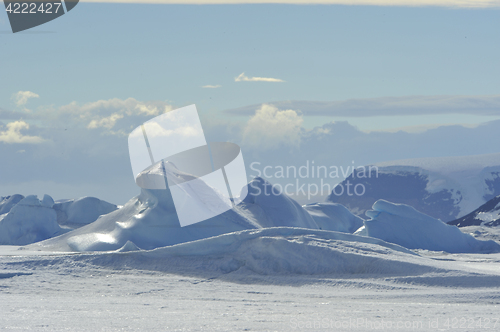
x: 84, y: 292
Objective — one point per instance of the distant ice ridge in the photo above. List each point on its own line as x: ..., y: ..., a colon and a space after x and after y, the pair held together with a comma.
x: 444, y: 188
x: 403, y: 225
x: 28, y: 220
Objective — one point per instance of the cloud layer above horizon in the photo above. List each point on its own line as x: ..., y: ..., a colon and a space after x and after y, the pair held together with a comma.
x: 81, y: 149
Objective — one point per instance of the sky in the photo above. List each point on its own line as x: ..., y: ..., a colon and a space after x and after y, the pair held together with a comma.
x: 335, y: 83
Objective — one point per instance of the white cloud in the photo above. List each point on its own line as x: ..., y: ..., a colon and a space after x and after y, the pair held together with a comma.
x: 243, y: 78
x: 413, y: 3
x: 107, y: 122
x: 211, y: 86
x: 115, y: 115
x: 21, y: 97
x: 270, y: 128
x: 13, y: 134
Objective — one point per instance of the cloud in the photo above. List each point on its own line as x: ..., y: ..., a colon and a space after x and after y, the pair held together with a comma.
x: 21, y: 97
x: 13, y: 134
x: 412, y: 3
x: 115, y: 116
x: 389, y: 106
x: 243, y: 78
x: 270, y: 128
x: 100, y: 164
x: 107, y: 122
x: 211, y: 86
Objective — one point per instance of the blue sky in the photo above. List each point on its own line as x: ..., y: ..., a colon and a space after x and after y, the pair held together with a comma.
x: 165, y: 54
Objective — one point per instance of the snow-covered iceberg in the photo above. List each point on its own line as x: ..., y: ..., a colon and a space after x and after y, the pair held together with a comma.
x: 403, y: 225
x: 8, y: 202
x: 150, y: 221
x: 334, y: 217
x: 28, y: 220
x: 268, y: 207
x: 25, y: 220
x: 81, y: 211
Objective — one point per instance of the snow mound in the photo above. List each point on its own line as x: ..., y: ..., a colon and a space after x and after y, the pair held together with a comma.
x: 275, y: 251
x: 28, y: 221
x: 403, y: 225
x: 128, y: 246
x: 81, y: 211
x: 334, y: 217
x: 269, y: 207
x: 150, y: 221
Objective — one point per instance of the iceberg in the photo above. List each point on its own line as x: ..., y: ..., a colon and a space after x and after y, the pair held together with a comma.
x: 334, y: 217
x: 403, y: 225
x: 28, y: 221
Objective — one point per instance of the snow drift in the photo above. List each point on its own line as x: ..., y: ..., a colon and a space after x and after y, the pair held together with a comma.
x: 403, y: 225
x: 275, y: 251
